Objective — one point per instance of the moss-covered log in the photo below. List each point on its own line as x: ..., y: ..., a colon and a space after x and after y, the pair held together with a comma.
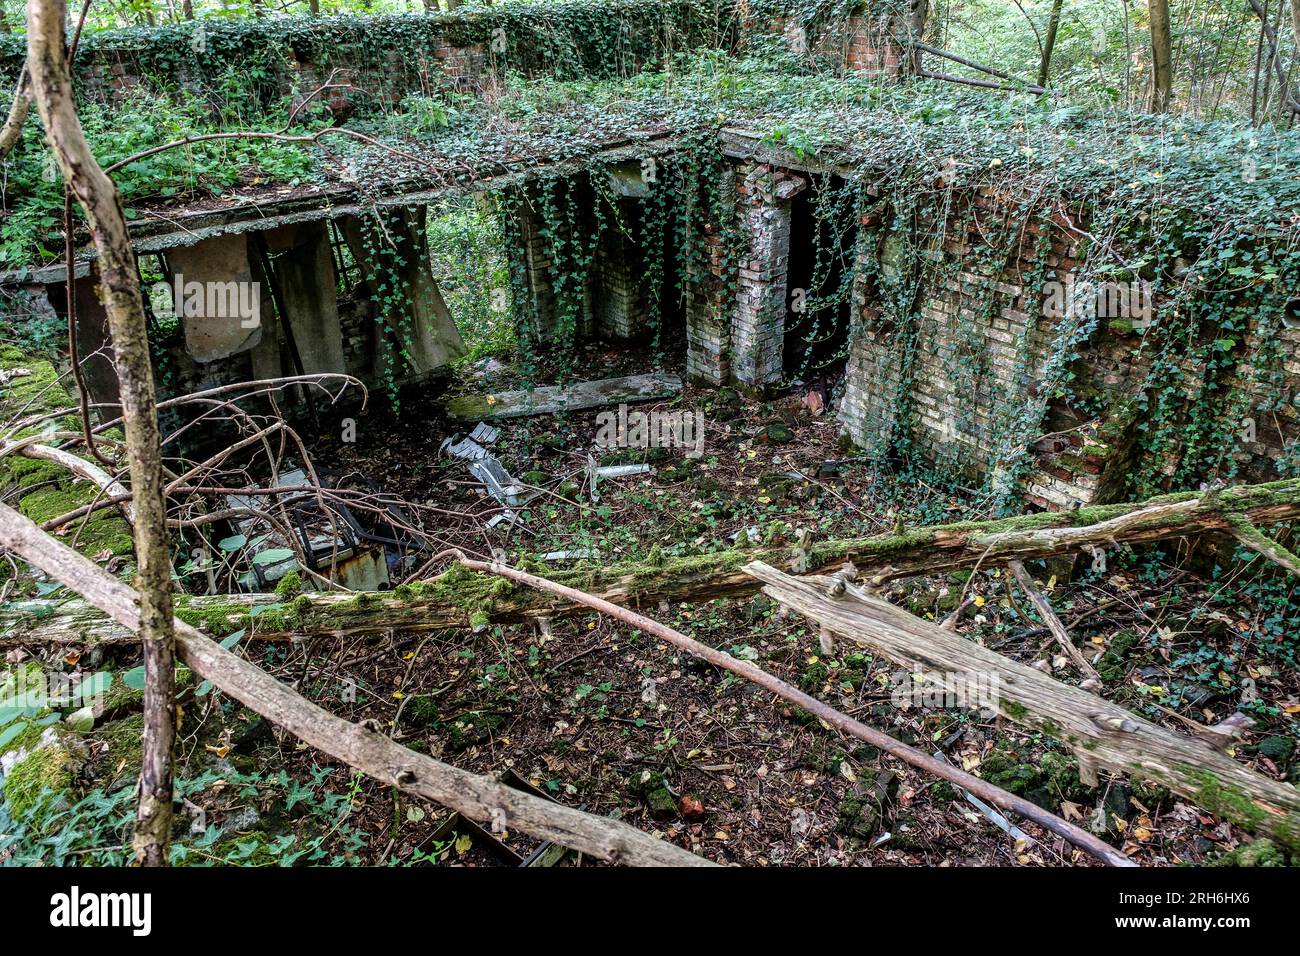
x: 1102, y: 734
x: 462, y: 598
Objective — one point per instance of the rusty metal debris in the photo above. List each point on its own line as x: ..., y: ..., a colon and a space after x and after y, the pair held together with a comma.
x: 486, y: 467
x: 595, y: 473
x: 359, y: 552
x: 994, y: 816
x: 457, y: 827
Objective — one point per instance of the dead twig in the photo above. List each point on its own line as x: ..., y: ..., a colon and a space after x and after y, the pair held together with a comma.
x: 1050, y: 619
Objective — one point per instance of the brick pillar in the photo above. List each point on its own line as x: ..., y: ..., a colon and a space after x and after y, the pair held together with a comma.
x: 618, y: 301
x: 758, y: 316
x: 531, y: 254
x: 869, y: 409
x: 871, y: 47
x: 708, y: 330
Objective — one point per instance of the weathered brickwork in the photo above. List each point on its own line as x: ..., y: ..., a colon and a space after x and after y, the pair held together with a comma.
x: 758, y: 316
x: 387, y: 56
x: 618, y: 299
x: 966, y: 392
x: 708, y: 333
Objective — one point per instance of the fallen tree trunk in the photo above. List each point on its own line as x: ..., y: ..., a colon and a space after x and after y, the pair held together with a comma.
x: 478, y: 798
x: 464, y: 598
x: 1102, y: 734
x: 77, y: 466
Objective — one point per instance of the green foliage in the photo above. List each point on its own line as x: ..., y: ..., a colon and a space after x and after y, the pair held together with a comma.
x: 34, y: 186
x: 300, y: 822
x: 468, y: 260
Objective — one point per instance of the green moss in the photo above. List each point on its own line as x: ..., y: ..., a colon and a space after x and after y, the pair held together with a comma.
x: 943, y: 792
x: 857, y: 817
x: 1228, y: 801
x: 1006, y: 770
x: 643, y: 782
x: 420, y: 711
x: 216, y: 619
x: 661, y: 803
x: 813, y: 677
x: 29, y: 472
x: 289, y: 585
x: 1277, y: 749
x: 104, y: 530
x: 40, y: 391
x: 27, y: 738
x: 46, y: 769
x: 1261, y: 852
x: 468, y: 732
x: 1015, y: 710
x: 122, y: 697
x: 125, y: 739
x: 1112, y: 666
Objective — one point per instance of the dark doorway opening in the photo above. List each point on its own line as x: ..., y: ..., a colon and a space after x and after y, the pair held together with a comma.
x: 823, y: 234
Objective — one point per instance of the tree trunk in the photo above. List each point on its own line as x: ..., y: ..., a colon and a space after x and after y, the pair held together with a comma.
x: 913, y: 25
x: 12, y: 131
x: 461, y: 598
x: 120, y: 290
x: 1268, y: 34
x: 1102, y: 734
x: 1162, y: 74
x: 1049, y: 43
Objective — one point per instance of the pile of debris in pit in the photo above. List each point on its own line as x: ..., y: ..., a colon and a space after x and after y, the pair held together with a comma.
x: 311, y: 530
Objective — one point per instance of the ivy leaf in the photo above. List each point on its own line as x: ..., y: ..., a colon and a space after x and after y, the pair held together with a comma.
x: 233, y: 543
x: 273, y: 556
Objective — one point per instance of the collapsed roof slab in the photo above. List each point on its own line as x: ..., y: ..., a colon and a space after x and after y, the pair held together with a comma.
x: 161, y: 229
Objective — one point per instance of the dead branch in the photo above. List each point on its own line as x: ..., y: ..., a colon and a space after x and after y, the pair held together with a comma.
x: 1100, y: 733
x: 368, y: 750
x: 1251, y: 537
x: 824, y: 712
x: 1274, y: 56
x: 51, y: 79
x: 1050, y: 619
x: 79, y: 467
x: 982, y: 84
x: 12, y: 131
